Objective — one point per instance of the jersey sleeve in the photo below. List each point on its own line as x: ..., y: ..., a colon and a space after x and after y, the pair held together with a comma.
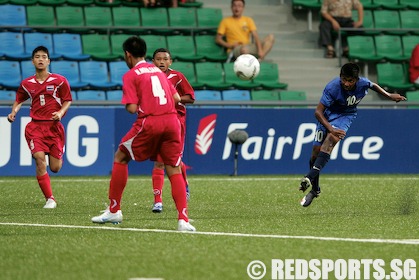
x: 65, y: 90
x: 21, y: 94
x: 129, y: 95
x: 186, y: 87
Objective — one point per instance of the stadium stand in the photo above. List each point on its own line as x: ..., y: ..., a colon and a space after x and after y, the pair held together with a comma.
x: 12, y: 15
x: 390, y: 47
x: 394, y: 76
x: 35, y: 39
x: 183, y: 48
x: 10, y: 74
x: 95, y: 74
x: 70, y: 70
x: 98, y: 47
x: 62, y: 41
x: 210, y: 74
x: 7, y: 95
x: 231, y: 78
x: 91, y: 95
x: 268, y: 76
x: 128, y: 18
x: 12, y: 46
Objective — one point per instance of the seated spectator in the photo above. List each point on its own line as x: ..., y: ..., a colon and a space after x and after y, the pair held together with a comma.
x: 234, y: 34
x: 414, y: 66
x: 337, y: 14
x: 157, y: 3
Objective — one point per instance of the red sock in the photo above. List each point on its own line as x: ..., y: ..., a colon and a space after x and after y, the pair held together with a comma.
x: 179, y: 196
x: 183, y: 167
x: 117, y: 185
x: 45, y: 185
x: 157, y: 178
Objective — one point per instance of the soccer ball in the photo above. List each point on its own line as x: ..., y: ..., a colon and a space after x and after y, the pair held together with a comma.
x: 246, y: 67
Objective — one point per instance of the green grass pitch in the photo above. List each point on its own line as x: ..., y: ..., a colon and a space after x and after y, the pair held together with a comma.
x: 238, y: 219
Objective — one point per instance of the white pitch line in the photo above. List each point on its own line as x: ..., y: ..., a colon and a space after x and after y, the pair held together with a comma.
x: 273, y: 236
x: 238, y: 179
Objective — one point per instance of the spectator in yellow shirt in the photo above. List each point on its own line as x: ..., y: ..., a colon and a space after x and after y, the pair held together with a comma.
x: 234, y: 34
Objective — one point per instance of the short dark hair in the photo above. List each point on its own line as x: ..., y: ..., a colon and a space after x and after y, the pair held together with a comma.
x: 162, y: 50
x: 232, y: 1
x: 136, y: 46
x: 40, y: 49
x: 350, y: 70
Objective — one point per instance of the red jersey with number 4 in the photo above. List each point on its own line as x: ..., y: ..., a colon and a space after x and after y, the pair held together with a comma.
x: 182, y: 86
x: 46, y: 97
x: 147, y: 86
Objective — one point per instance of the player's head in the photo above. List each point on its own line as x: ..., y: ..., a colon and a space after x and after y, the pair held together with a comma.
x: 237, y: 7
x: 162, y: 59
x: 40, y: 57
x: 134, y: 48
x: 349, y: 75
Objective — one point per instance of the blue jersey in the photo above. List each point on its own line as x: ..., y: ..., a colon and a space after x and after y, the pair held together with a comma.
x: 339, y: 101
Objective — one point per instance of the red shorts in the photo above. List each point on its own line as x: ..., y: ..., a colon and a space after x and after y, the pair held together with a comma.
x: 182, y: 120
x: 46, y: 136
x: 154, y: 135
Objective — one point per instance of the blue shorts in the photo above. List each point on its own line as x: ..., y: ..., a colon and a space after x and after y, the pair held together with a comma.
x: 338, y: 121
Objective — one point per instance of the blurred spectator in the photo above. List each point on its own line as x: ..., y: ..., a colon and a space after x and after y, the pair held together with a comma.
x: 234, y: 34
x: 157, y: 3
x: 337, y: 14
x: 414, y: 66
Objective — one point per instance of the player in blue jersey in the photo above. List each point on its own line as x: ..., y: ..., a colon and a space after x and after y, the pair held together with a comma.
x: 335, y: 112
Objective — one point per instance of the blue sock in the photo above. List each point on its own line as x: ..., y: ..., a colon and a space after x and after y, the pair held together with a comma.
x: 318, y: 165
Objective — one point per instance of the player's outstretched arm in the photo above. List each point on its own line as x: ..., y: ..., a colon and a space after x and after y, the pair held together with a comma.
x: 392, y: 96
x: 15, y: 108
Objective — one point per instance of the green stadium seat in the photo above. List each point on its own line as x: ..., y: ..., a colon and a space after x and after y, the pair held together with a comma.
x: 80, y: 2
x: 210, y: 74
x: 154, y: 42
x: 368, y: 22
x: 410, y: 19
x: 98, y: 47
x: 71, y: 19
x: 191, y: 4
x: 91, y: 95
x: 52, y: 2
x: 265, y: 95
x: 116, y: 44
x: 185, y: 18
x: 394, y: 76
x: 412, y: 96
x: 362, y: 48
x: 23, y: 2
x: 98, y: 16
x: 390, y: 4
x: 309, y: 6
x: 155, y: 20
x: 268, y: 76
x: 390, y: 47
x: 43, y: 16
x: 209, y: 19
x: 409, y: 43
x: 369, y: 4
x: 388, y: 21
x: 183, y: 48
x: 187, y: 68
x: 128, y: 18
x: 112, y: 3
x: 206, y: 47
x: 411, y: 4
x: 292, y: 95
x: 231, y: 78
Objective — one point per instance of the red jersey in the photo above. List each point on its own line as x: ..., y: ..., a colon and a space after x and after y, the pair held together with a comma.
x: 414, y: 64
x: 182, y: 86
x: 147, y: 86
x: 46, y: 97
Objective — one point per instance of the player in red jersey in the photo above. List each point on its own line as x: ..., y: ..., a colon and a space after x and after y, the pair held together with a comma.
x: 50, y: 96
x: 149, y: 94
x: 163, y: 59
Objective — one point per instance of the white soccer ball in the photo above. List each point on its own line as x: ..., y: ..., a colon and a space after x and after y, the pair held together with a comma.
x: 246, y: 67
